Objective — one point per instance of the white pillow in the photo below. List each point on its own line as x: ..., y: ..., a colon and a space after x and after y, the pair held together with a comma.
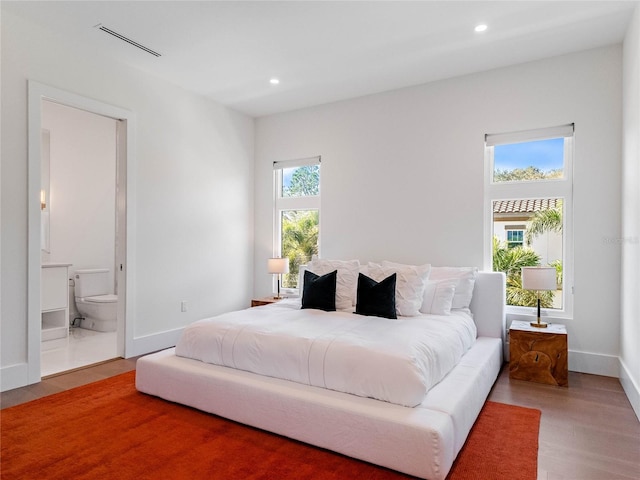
x: 438, y: 297
x: 411, y: 281
x: 465, y: 278
x: 347, y: 279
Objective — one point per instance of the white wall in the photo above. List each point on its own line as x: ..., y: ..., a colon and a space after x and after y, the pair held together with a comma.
x: 402, y: 176
x: 82, y: 202
x: 193, y: 165
x: 630, y: 239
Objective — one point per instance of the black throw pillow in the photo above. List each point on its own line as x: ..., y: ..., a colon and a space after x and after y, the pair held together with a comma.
x: 319, y: 292
x: 376, y: 298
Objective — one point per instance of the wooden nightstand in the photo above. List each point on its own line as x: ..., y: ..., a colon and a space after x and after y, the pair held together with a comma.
x: 257, y: 302
x: 538, y: 354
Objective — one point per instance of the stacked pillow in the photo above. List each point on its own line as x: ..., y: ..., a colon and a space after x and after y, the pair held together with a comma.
x: 346, y: 281
x: 438, y: 297
x: 464, y: 279
x: 388, y: 289
x: 319, y: 291
x: 376, y: 298
x: 410, y: 284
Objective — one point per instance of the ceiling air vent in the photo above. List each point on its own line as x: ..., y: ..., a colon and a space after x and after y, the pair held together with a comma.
x: 128, y: 40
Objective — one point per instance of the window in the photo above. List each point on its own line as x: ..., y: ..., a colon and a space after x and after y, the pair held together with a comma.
x: 515, y: 237
x: 528, y: 204
x: 296, y: 214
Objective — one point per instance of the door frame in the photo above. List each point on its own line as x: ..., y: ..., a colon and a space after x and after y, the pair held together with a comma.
x: 125, y: 202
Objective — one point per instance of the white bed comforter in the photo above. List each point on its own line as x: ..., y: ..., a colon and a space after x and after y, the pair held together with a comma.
x: 397, y: 361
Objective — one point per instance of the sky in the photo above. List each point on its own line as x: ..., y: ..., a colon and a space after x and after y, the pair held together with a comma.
x: 287, y: 173
x: 544, y: 154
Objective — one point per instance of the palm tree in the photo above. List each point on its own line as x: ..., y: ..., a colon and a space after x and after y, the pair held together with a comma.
x: 299, y: 241
x: 510, y: 261
x: 543, y: 221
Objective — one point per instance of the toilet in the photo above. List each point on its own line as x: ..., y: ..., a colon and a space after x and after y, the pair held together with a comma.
x: 96, y: 305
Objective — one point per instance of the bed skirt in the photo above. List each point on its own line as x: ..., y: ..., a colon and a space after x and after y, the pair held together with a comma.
x: 422, y: 441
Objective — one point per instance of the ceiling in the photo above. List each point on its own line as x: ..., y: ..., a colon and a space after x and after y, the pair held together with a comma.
x: 325, y: 51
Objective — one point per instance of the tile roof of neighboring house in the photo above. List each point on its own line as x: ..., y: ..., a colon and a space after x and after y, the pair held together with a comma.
x: 525, y: 206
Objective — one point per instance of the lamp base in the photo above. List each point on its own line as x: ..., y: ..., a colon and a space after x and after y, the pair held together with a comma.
x: 539, y: 324
x: 277, y: 297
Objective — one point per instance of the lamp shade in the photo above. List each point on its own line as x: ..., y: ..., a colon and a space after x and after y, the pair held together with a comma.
x: 278, y: 265
x: 539, y: 278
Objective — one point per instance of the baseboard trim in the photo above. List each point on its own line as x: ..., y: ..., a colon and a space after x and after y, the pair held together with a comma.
x: 14, y: 376
x: 154, y: 342
x: 594, y: 363
x: 630, y: 387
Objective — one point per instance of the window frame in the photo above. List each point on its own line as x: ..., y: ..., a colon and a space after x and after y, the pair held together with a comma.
x: 281, y: 204
x: 519, y: 231
x: 534, y: 189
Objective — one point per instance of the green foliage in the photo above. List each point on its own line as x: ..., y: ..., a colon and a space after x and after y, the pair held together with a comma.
x: 557, y: 264
x: 526, y: 298
x: 525, y: 174
x: 300, y: 230
x: 305, y: 181
x: 510, y: 261
x: 544, y: 221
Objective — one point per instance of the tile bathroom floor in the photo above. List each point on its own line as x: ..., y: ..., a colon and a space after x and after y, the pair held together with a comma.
x: 85, y: 347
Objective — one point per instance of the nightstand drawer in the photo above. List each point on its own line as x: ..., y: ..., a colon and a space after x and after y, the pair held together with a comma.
x: 538, y: 355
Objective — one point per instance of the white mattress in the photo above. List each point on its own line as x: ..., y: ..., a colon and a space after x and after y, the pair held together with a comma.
x: 421, y: 441
x: 392, y: 360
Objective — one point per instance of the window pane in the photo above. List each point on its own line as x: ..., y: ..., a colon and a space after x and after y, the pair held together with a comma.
x: 514, y: 238
x: 301, y: 181
x: 526, y: 161
x: 536, y: 241
x: 299, y: 241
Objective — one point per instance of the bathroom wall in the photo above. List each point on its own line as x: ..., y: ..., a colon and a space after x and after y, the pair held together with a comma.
x: 82, y: 200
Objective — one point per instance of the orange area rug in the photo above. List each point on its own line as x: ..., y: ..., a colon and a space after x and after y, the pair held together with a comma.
x: 108, y: 430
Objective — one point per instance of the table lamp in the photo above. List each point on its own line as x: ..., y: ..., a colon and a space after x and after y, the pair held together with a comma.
x: 278, y: 266
x: 539, y: 278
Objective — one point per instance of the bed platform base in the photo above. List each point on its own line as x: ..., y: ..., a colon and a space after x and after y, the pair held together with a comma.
x: 421, y: 441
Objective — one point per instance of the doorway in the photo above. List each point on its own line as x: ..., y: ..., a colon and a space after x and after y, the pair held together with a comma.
x: 78, y: 203
x: 122, y: 254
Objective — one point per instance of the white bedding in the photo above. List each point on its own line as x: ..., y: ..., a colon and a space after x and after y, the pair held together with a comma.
x: 397, y: 361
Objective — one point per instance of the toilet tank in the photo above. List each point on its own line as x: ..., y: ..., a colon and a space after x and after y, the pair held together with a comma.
x: 91, y: 282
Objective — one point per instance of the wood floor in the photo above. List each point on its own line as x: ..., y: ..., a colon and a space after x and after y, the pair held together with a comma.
x: 587, y: 432
x: 66, y: 380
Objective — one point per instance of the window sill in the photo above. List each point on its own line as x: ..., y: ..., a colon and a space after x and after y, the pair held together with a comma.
x: 528, y: 314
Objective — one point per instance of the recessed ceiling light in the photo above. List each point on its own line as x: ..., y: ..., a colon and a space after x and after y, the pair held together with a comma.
x: 274, y: 81
x: 480, y: 28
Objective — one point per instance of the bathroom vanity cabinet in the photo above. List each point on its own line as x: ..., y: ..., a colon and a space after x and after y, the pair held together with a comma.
x: 54, y: 304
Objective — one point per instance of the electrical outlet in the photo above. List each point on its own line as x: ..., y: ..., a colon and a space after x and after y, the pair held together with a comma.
x: 184, y: 306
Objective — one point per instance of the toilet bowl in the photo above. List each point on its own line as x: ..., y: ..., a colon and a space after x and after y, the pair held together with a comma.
x: 96, y: 305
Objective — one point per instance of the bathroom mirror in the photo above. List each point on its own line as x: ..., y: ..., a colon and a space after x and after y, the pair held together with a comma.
x: 45, y: 197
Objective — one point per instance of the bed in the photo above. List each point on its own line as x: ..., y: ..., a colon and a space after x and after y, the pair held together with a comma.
x: 421, y: 440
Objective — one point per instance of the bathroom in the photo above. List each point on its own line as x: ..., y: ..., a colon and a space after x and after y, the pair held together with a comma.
x: 78, y: 222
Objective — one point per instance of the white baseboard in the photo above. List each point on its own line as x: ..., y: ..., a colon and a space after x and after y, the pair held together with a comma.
x: 14, y: 376
x: 630, y: 387
x: 594, y: 363
x: 153, y: 343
